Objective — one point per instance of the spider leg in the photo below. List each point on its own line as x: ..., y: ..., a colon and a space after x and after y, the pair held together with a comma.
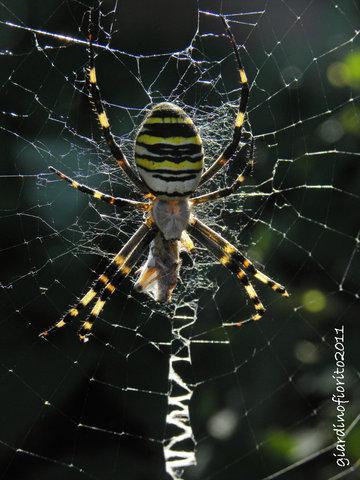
x: 103, y: 280
x: 122, y: 272
x: 225, y: 192
x: 105, y: 125
x: 231, y: 264
x: 99, y: 195
x: 200, y: 231
x: 225, y: 156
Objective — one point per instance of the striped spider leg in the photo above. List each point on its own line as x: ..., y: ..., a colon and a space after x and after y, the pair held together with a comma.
x: 110, y: 285
x: 229, y: 151
x: 232, y: 258
x: 234, y: 267
x: 145, y: 231
x: 118, y: 201
x: 225, y: 192
x: 105, y: 125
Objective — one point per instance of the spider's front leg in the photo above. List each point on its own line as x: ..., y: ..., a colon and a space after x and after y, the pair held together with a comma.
x: 231, y: 258
x: 199, y: 230
x: 234, y: 267
x: 113, y: 283
x: 105, y: 280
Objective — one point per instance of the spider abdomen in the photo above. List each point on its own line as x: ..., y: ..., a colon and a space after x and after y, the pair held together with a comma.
x: 169, y: 152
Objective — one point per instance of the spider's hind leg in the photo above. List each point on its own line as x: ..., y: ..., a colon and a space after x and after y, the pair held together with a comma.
x: 230, y: 149
x: 104, y: 123
x: 245, y: 151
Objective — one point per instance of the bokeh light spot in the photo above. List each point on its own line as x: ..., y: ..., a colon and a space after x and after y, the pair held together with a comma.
x: 350, y: 120
x: 223, y: 424
x: 352, y: 69
x: 331, y: 130
x: 336, y: 74
x: 314, y: 301
x: 281, y: 444
x: 306, y: 352
x: 346, y: 73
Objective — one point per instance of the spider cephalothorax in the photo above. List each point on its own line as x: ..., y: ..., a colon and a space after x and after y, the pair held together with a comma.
x: 169, y: 159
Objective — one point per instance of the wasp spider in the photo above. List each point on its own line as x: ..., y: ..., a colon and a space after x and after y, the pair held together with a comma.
x: 169, y: 160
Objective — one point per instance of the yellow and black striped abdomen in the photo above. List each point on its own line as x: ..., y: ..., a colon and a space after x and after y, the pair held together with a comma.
x: 169, y: 152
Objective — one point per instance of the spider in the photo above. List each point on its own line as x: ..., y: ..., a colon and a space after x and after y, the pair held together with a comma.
x: 169, y: 160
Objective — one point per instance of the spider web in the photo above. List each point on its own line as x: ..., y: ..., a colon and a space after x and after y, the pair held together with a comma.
x: 178, y: 391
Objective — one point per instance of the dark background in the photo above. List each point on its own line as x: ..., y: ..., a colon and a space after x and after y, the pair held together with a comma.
x: 262, y: 401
